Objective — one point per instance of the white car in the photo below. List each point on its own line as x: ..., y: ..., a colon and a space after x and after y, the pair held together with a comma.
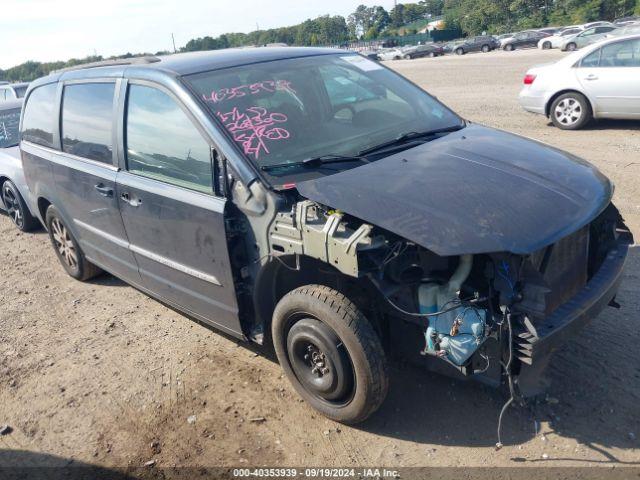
x: 390, y: 54
x: 600, y: 81
x: 556, y: 40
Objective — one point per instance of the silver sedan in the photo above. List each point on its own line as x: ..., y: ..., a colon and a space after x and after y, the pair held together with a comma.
x: 600, y: 81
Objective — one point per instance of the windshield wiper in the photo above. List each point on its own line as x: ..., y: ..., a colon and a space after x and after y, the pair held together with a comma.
x: 408, y: 136
x: 315, y: 161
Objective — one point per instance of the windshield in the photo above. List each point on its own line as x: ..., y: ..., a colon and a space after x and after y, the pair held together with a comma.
x: 9, y: 122
x: 290, y: 110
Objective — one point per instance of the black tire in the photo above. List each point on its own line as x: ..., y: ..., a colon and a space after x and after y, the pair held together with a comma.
x: 459, y: 51
x: 509, y: 47
x: 546, y: 45
x: 17, y: 208
x: 570, y: 111
x: 486, y: 49
x: 572, y: 47
x: 316, y: 328
x: 67, y: 249
x: 407, y: 57
x: 432, y: 54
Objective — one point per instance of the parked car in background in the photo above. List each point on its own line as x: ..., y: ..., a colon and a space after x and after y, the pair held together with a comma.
x: 15, y: 198
x: 12, y: 91
x: 503, y: 37
x: 481, y: 43
x: 598, y: 24
x: 252, y: 190
x: 549, y: 30
x: 427, y: 50
x: 390, y: 54
x: 523, y: 40
x: 554, y: 41
x: 586, y: 37
x: 600, y: 81
x: 628, y: 29
x: 627, y: 20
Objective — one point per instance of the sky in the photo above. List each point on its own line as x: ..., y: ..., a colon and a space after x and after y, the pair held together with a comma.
x: 47, y: 30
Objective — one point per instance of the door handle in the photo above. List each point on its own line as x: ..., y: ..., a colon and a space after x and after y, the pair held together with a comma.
x: 591, y: 77
x: 104, y: 191
x: 134, y: 202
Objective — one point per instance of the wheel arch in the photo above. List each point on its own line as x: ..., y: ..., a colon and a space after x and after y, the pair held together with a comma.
x: 547, y: 107
x: 3, y: 179
x: 43, y: 204
x: 279, y: 276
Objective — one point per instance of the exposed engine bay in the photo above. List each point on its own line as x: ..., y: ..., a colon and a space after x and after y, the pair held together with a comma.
x: 477, y: 313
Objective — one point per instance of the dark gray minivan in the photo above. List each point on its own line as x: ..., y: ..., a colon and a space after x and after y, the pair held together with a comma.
x: 317, y: 201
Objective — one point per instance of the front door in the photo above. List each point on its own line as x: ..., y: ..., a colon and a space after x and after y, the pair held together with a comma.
x: 85, y: 177
x: 174, y: 221
x: 610, y: 76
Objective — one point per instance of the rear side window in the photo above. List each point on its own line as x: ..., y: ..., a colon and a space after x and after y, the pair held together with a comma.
x: 621, y: 54
x: 87, y: 116
x: 9, y: 120
x: 163, y: 143
x: 40, y: 115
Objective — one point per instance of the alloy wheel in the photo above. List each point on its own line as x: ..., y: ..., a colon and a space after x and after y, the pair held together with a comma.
x: 568, y: 111
x: 13, y: 207
x: 64, y: 244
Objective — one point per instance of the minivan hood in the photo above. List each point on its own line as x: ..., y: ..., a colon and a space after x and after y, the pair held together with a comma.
x: 477, y: 190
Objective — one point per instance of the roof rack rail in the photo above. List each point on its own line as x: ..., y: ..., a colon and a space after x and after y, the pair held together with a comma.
x: 111, y: 63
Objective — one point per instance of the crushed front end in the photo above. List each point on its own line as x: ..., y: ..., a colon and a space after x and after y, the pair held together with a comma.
x: 493, y: 317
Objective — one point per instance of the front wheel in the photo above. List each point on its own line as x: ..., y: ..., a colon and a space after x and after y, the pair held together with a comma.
x: 546, y: 46
x: 459, y: 51
x: 407, y: 57
x: 330, y: 353
x: 572, y: 47
x: 17, y: 208
x: 508, y: 47
x: 485, y: 49
x: 67, y: 248
x: 570, y: 111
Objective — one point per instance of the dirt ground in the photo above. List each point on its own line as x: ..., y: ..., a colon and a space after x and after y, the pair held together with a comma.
x: 99, y: 373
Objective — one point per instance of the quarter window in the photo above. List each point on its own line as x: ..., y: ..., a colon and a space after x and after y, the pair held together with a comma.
x: 39, y: 115
x: 591, y: 60
x: 163, y: 143
x: 87, y: 119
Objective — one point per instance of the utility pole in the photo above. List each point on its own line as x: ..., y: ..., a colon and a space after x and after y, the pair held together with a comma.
x: 173, y: 40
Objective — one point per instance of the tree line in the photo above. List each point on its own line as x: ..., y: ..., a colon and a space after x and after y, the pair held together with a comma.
x: 470, y: 17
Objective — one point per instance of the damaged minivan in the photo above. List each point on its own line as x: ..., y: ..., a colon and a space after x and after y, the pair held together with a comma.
x: 316, y: 201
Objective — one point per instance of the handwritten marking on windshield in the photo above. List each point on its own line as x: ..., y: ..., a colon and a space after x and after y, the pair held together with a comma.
x: 269, y: 86
x: 253, y: 126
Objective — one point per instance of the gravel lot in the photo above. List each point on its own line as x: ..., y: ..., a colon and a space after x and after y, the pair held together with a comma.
x: 99, y: 373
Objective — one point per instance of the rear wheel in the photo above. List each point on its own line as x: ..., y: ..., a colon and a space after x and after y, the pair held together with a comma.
x: 546, y: 45
x: 432, y: 54
x: 570, y: 111
x: 509, y: 47
x: 485, y: 48
x: 459, y: 51
x: 572, y: 47
x: 67, y: 249
x: 17, y: 208
x: 330, y: 353
x: 407, y: 57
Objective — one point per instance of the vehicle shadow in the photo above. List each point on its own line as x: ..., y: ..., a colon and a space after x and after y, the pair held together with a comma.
x: 607, y: 124
x: 594, y: 397
x: 22, y: 464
